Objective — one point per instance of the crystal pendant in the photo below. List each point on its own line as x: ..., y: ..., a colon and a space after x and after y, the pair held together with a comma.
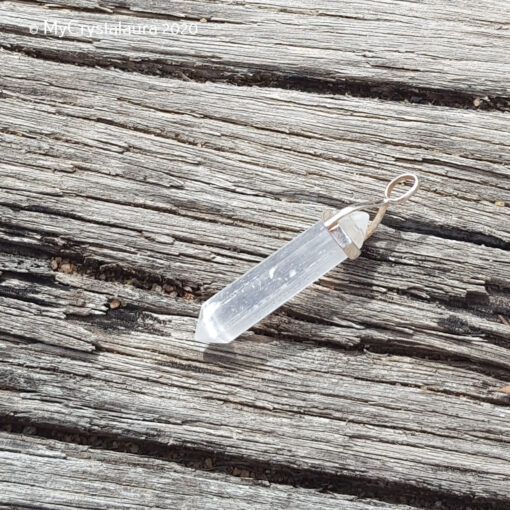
x: 280, y: 277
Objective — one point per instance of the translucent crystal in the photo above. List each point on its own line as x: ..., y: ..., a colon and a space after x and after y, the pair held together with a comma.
x: 277, y: 279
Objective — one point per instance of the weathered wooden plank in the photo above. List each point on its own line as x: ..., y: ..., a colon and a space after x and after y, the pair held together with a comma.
x: 392, y: 419
x: 50, y: 474
x: 437, y: 44
x: 180, y: 186
x: 266, y: 144
x: 87, y: 300
x: 190, y: 184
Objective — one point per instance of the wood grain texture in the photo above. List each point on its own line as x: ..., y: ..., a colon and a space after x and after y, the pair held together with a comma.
x: 457, y: 46
x: 196, y: 182
x: 53, y: 475
x: 390, y: 419
x: 172, y: 189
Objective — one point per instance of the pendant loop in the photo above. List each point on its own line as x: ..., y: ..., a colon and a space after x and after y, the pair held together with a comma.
x: 405, y: 196
x: 332, y: 223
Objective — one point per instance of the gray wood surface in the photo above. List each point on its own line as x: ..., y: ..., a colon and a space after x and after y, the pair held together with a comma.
x: 273, y: 401
x: 460, y: 45
x: 127, y: 199
x: 33, y: 469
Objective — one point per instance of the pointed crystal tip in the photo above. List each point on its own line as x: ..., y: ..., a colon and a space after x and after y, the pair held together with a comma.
x: 206, y: 330
x: 202, y: 334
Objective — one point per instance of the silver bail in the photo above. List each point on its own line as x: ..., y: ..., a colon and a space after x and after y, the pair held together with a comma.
x: 333, y: 222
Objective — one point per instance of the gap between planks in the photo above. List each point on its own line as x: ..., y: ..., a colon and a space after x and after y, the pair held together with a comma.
x: 247, y: 254
x: 38, y: 471
x: 389, y: 62
x: 148, y: 380
x: 27, y: 449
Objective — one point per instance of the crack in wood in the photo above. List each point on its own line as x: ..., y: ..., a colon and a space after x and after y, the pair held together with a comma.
x: 150, y: 281
x: 361, y: 67
x: 387, y: 91
x: 236, y: 466
x: 130, y: 316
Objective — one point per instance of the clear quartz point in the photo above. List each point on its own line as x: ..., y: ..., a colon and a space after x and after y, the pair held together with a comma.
x: 278, y: 278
